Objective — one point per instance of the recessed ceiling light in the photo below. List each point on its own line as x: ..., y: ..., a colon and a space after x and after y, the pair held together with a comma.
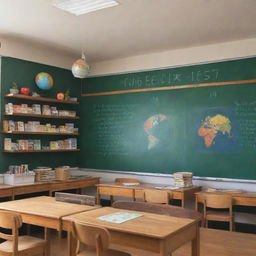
x: 79, y: 7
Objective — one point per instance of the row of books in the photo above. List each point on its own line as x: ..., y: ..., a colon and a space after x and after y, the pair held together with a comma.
x: 22, y: 145
x: 36, y: 126
x: 37, y: 109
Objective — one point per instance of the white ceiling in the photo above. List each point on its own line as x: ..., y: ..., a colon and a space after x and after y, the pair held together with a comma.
x: 132, y: 28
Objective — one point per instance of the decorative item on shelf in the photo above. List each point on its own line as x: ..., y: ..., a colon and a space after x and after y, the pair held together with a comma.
x: 60, y: 96
x: 67, y: 95
x: 80, y: 68
x: 44, y: 81
x: 25, y: 91
x: 35, y: 94
x: 14, y: 88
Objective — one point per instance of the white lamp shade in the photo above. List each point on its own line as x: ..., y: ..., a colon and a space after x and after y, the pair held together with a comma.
x: 80, y: 68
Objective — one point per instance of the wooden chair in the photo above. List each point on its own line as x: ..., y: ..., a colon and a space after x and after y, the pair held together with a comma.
x: 157, y: 196
x: 220, y: 202
x: 162, y: 209
x: 96, y: 238
x: 16, y: 245
x: 75, y: 198
x: 126, y: 180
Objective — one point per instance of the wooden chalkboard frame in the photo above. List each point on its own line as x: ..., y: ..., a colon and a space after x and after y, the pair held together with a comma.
x: 173, y: 87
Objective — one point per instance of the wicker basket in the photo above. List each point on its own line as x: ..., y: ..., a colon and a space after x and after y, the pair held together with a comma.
x: 62, y: 173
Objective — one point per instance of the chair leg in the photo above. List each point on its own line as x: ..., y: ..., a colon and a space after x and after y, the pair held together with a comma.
x: 230, y: 226
x: 206, y: 223
x: 28, y: 227
x: 111, y: 200
x: 59, y: 235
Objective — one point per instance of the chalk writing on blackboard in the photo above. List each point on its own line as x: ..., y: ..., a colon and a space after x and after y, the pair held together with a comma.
x: 246, y: 114
x: 169, y: 78
x: 110, y: 121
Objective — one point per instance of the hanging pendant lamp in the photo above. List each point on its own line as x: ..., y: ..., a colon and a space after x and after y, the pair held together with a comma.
x: 80, y: 68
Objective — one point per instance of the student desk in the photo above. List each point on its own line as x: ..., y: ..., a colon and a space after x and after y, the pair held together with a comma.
x: 242, y: 198
x: 152, y: 233
x: 44, y: 211
x: 118, y: 189
x: 50, y: 187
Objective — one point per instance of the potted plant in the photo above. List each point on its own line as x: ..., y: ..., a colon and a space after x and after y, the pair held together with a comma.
x: 14, y: 88
x: 67, y: 95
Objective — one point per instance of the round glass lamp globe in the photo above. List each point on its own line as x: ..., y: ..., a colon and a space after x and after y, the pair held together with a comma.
x: 44, y: 81
x: 80, y: 68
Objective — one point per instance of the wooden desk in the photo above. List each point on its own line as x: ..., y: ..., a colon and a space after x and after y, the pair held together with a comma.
x: 222, y: 243
x: 50, y: 187
x: 6, y: 190
x: 243, y: 198
x: 152, y: 233
x: 44, y: 211
x: 118, y: 189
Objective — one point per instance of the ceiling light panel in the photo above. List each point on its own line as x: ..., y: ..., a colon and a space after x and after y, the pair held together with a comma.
x: 79, y: 7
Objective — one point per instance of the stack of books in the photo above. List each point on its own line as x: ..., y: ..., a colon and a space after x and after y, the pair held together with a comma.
x: 183, y: 179
x: 44, y: 174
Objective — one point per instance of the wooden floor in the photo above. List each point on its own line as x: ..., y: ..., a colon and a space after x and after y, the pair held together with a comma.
x: 213, y: 243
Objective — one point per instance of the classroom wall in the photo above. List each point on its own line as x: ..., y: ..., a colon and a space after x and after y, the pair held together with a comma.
x: 178, y: 57
x: 23, y: 73
x: 36, y: 52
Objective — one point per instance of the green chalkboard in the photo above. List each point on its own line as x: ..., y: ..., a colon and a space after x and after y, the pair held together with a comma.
x: 23, y: 73
x: 210, y: 131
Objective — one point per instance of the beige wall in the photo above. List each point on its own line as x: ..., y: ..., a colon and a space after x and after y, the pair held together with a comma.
x: 186, y: 56
x: 179, y: 57
x: 37, y: 53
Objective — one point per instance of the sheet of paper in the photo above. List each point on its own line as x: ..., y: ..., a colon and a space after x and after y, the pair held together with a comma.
x: 119, y: 217
x: 167, y: 187
x: 130, y: 184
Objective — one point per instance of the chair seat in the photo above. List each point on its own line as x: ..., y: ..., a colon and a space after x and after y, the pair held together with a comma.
x: 92, y: 252
x: 217, y: 215
x: 24, y: 243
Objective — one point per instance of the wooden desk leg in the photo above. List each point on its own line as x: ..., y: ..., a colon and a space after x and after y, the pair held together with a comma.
x: 47, y: 238
x: 183, y: 200
x: 71, y: 244
x: 111, y: 200
x: 98, y: 196
x: 195, y: 243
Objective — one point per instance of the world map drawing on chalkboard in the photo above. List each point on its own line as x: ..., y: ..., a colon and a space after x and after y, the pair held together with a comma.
x: 213, y: 126
x: 150, y: 126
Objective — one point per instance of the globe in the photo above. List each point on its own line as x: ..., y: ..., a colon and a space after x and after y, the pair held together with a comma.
x: 44, y: 81
x: 80, y: 68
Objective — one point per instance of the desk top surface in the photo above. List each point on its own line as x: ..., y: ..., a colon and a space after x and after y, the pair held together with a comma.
x: 151, y: 225
x: 45, y: 206
x: 4, y: 186
x: 148, y: 186
x: 229, y: 192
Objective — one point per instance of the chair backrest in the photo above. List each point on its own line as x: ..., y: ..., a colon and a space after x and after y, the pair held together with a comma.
x: 90, y: 235
x: 162, y: 209
x: 218, y: 201
x: 157, y: 196
x: 13, y: 221
x: 126, y: 180
x: 75, y: 198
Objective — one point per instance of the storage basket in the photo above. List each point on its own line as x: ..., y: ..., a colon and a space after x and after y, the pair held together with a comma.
x: 13, y: 179
x: 62, y: 173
